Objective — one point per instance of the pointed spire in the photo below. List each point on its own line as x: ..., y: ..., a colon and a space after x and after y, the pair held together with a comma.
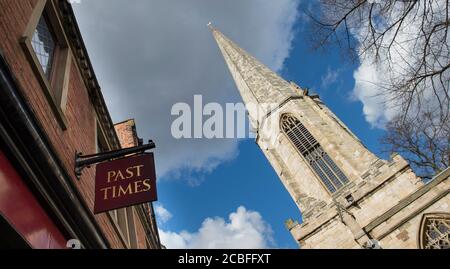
x: 210, y: 26
x: 257, y: 84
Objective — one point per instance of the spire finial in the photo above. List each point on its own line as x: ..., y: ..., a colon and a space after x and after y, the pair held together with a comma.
x: 255, y: 81
x: 210, y: 26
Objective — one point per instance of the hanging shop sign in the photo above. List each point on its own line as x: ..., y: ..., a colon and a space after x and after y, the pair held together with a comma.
x: 125, y: 182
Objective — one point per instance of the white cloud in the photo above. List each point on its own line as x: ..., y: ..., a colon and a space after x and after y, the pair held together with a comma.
x: 245, y: 229
x: 329, y: 78
x: 172, y: 240
x: 152, y: 54
x: 373, y: 77
x: 376, y: 109
x: 162, y: 213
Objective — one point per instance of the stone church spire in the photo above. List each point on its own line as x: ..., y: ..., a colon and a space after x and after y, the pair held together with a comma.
x: 256, y: 83
x: 314, y: 153
x: 348, y: 197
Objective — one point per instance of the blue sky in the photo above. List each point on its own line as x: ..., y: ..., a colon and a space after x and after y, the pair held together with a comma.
x: 219, y: 193
x: 249, y: 180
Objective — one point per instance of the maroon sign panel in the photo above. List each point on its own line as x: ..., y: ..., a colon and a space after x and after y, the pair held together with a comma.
x: 125, y: 182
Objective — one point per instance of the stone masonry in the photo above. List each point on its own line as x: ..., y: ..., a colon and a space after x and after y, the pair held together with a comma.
x: 383, y: 201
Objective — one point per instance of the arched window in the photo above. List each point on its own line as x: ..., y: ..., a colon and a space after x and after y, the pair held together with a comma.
x: 328, y: 172
x: 434, y: 231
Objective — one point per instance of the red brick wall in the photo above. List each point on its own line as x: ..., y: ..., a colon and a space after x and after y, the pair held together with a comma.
x: 140, y: 232
x: 128, y: 138
x: 80, y: 115
x: 125, y: 134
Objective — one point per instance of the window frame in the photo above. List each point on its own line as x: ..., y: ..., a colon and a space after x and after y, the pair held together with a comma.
x: 422, y: 242
x: 45, y: 18
x: 56, y: 86
x: 308, y: 161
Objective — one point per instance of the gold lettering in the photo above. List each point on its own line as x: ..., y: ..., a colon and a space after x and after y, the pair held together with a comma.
x: 147, y: 185
x: 130, y: 173
x: 138, y: 168
x: 129, y: 190
x: 137, y: 186
x: 119, y: 175
x: 111, y: 174
x: 117, y: 191
x: 105, y: 192
x: 114, y: 191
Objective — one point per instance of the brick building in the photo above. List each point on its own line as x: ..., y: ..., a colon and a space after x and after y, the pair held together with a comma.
x: 128, y: 137
x: 51, y: 107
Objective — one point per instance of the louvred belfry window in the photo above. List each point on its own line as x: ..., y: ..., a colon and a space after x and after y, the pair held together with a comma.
x: 320, y: 162
x: 435, y: 231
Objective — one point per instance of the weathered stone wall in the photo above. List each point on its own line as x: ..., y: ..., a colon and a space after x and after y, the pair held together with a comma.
x: 401, y: 230
x: 332, y: 235
x: 406, y: 236
x: 342, y: 146
x: 390, y: 214
x: 388, y: 194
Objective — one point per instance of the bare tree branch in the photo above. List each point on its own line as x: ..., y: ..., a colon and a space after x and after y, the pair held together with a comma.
x: 409, y: 39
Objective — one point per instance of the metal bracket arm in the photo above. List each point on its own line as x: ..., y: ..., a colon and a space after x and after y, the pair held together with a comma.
x: 82, y: 161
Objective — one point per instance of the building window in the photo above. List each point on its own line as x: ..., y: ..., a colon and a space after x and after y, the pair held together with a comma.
x: 434, y: 231
x: 47, y: 49
x: 320, y: 162
x: 44, y: 45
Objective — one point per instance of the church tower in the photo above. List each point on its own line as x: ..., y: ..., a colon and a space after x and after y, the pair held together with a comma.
x: 348, y: 197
